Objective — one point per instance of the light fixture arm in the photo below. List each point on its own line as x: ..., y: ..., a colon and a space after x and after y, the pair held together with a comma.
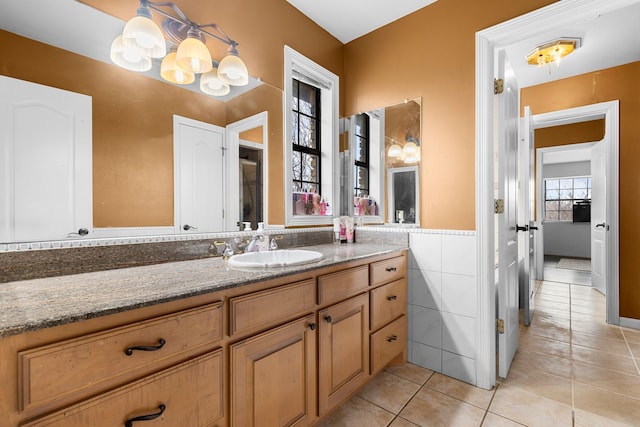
x: 182, y: 18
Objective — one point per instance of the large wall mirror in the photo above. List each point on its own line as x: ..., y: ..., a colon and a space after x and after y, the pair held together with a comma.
x: 133, y: 174
x: 382, y: 165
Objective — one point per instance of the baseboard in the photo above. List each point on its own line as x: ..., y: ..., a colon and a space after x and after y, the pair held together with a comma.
x: 630, y: 323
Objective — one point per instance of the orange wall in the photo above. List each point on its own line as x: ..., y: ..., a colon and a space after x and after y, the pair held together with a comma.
x: 620, y: 83
x: 431, y: 54
x: 575, y: 133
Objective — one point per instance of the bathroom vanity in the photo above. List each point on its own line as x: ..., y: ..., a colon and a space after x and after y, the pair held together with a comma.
x: 196, y: 343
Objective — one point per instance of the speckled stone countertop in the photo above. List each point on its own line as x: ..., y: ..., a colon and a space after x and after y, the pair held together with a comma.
x: 30, y: 305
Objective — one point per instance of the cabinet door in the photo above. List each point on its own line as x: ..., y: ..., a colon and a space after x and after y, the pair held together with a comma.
x: 273, y: 377
x: 343, y: 341
x: 189, y: 394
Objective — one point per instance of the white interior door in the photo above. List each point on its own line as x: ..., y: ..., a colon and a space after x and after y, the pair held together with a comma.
x: 507, y: 135
x: 599, y: 223
x: 527, y: 190
x: 199, y: 176
x: 46, y: 166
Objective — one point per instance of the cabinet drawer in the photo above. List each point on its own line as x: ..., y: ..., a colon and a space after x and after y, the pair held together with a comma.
x: 262, y: 309
x: 74, y: 368
x: 388, y: 302
x: 336, y: 286
x: 387, y: 270
x: 387, y: 343
x: 191, y: 394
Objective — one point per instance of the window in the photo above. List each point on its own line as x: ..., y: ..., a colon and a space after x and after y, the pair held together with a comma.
x: 561, y: 194
x: 311, y: 127
x: 361, y: 156
x: 306, y: 139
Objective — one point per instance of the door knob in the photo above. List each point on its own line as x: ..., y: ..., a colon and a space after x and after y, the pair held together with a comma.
x: 188, y: 227
x: 602, y: 224
x: 533, y: 227
x: 522, y: 227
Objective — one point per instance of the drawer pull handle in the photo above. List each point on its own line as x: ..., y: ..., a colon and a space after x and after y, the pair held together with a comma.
x: 328, y: 319
x: 392, y: 338
x: 389, y: 269
x: 392, y: 297
x: 129, y: 422
x: 161, y: 343
x: 312, y: 326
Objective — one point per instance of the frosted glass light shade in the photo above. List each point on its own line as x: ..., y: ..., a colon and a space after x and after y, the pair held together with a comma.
x: 394, y: 150
x: 172, y: 72
x: 211, y: 84
x: 193, y: 55
x: 129, y: 57
x: 233, y: 71
x: 144, y: 34
x: 410, y: 149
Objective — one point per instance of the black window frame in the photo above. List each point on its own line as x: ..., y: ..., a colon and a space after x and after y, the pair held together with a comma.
x: 366, y: 136
x: 571, y: 201
x: 300, y: 148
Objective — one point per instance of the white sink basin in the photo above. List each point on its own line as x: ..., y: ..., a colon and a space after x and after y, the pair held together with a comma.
x: 279, y: 258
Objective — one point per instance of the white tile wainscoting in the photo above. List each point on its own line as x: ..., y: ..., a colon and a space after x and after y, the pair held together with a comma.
x: 443, y: 300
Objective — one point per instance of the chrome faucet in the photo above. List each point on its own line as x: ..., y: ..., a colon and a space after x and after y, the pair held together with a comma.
x: 253, y: 246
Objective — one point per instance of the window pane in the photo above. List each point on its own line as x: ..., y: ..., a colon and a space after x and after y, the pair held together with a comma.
x: 551, y: 216
x: 361, y: 179
x: 552, y: 194
x: 581, y: 193
x: 307, y: 99
x: 581, y: 183
x: 362, y: 124
x: 566, y: 215
x: 361, y: 150
x: 296, y: 166
x: 309, y: 167
x: 566, y: 194
x: 552, y: 184
x: 294, y: 128
x: 551, y: 206
x: 566, y: 205
x: 566, y: 183
x: 307, y: 129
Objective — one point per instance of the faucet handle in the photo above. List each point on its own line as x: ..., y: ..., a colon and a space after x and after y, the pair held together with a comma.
x: 273, y: 245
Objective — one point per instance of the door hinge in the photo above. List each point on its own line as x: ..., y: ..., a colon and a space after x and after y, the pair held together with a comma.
x: 498, y: 206
x: 500, y: 326
x: 498, y: 86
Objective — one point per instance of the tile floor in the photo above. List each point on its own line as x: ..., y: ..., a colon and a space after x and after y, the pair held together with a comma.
x: 571, y: 369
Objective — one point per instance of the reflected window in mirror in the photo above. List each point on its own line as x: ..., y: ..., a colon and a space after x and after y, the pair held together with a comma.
x: 361, y: 158
x: 311, y: 148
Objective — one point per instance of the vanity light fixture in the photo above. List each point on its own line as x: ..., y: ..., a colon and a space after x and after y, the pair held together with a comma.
x: 553, y: 51
x: 409, y: 153
x: 142, y: 40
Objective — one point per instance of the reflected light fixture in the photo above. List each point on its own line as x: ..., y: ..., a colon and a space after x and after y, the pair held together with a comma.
x: 409, y: 153
x: 142, y: 40
x: 553, y: 51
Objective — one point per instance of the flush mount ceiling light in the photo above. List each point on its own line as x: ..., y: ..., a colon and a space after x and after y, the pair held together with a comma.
x: 142, y: 40
x: 553, y: 51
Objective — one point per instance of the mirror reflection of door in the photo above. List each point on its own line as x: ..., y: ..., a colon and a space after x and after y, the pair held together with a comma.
x: 251, y: 186
x: 403, y: 198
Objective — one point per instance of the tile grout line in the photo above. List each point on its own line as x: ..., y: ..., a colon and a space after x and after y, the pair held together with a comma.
x: 626, y: 341
x: 396, y: 416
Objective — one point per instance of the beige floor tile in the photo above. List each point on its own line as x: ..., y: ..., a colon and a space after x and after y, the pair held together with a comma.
x: 530, y: 409
x: 604, y: 360
x: 431, y: 408
x: 635, y: 349
x: 632, y: 335
x: 562, y: 301
x: 616, y: 407
x: 598, y: 318
x: 357, y: 412
x: 607, y: 379
x: 532, y: 342
x: 550, y: 331
x: 531, y: 360
x: 589, y: 419
x: 389, y: 391
x: 596, y: 342
x: 596, y: 328
x: 493, y: 420
x: 593, y: 311
x: 543, y: 302
x: 460, y: 390
x: 411, y: 372
x: 553, y: 312
x: 401, y: 422
x: 553, y: 387
x: 589, y: 302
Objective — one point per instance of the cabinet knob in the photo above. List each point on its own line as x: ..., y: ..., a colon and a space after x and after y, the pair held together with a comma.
x: 161, y: 343
x: 312, y: 326
x: 392, y: 338
x: 392, y: 297
x: 130, y: 421
x: 390, y: 269
x: 328, y: 319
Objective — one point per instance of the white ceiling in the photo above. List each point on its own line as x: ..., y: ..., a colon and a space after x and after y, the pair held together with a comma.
x: 347, y: 20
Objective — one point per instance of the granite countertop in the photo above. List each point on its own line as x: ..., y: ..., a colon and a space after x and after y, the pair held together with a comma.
x: 30, y: 305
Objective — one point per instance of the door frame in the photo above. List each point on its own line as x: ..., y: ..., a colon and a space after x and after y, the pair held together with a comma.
x: 487, y: 41
x: 610, y: 111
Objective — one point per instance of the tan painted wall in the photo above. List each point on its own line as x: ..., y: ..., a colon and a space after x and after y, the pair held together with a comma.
x: 431, y: 54
x: 620, y: 83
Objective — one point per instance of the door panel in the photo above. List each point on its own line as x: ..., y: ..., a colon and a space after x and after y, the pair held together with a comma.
x: 507, y: 135
x: 527, y: 178
x: 599, y: 223
x: 45, y: 174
